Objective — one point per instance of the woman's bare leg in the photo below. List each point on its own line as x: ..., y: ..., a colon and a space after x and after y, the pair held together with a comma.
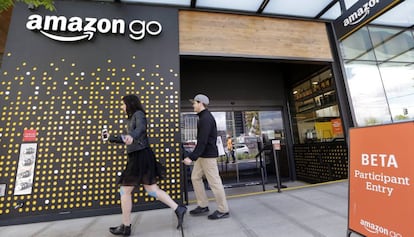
x: 161, y: 195
x: 126, y: 204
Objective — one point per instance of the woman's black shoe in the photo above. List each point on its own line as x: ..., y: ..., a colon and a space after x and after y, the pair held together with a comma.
x: 180, y: 212
x: 121, y: 230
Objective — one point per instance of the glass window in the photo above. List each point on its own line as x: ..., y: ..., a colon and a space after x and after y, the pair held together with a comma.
x: 242, y: 126
x: 240, y: 132
x: 358, y: 46
x: 398, y: 79
x: 380, y: 82
x: 315, y: 108
x: 391, y: 43
x: 367, y: 93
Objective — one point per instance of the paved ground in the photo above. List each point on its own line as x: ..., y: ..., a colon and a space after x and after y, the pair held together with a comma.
x: 298, y: 211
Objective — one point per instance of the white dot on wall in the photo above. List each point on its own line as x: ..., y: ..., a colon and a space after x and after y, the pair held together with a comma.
x: 28, y: 73
x: 102, y: 169
x: 151, y: 125
x: 86, y: 153
x: 171, y: 83
x: 152, y: 88
x: 67, y: 112
x: 47, y: 201
x: 167, y: 149
x: 56, y: 171
x: 121, y: 121
x: 60, y: 127
x: 7, y: 92
x: 65, y: 83
x: 172, y: 160
x: 173, y: 181
x: 85, y: 102
x: 37, y: 88
x: 36, y: 93
x: 66, y: 117
x: 107, y: 88
x: 138, y: 74
x: 89, y: 122
x: 82, y: 74
x: 119, y: 173
x: 73, y: 112
x: 84, y: 187
x: 1, y: 134
x: 171, y: 101
x: 34, y: 107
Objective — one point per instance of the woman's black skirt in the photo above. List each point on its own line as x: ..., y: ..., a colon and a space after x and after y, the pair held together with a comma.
x: 142, y: 168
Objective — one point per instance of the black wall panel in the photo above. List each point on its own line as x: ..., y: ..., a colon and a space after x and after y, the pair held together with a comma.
x: 67, y: 91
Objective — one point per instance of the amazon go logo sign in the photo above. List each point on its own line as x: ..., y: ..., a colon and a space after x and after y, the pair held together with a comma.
x: 79, y: 28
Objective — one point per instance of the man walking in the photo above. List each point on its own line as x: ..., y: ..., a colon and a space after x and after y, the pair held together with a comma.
x: 204, y: 157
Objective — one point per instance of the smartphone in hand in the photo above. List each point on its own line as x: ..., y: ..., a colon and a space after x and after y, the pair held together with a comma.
x: 105, y: 134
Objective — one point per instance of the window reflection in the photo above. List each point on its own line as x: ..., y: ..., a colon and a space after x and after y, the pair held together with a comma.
x: 394, y: 44
x: 380, y: 74
x: 239, y: 134
x: 367, y: 93
x: 358, y: 46
x: 242, y: 126
x: 398, y: 79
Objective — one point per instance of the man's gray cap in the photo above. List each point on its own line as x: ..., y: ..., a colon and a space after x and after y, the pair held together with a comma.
x: 201, y: 98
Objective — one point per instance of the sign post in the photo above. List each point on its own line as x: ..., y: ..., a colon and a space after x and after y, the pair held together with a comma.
x: 380, y: 176
x: 276, y: 147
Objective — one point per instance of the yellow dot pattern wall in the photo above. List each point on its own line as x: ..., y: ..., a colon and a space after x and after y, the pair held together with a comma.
x: 56, y: 97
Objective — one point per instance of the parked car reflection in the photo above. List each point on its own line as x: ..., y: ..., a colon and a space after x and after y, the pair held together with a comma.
x: 241, y: 149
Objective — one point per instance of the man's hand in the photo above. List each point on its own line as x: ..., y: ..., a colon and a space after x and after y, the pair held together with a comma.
x: 187, y: 161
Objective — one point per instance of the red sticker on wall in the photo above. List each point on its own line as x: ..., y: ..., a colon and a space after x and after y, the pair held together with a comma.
x: 29, y: 135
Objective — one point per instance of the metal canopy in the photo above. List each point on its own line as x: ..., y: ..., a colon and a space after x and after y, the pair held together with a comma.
x: 326, y: 10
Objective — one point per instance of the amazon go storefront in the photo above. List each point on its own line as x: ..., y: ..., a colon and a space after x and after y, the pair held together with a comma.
x: 63, y: 74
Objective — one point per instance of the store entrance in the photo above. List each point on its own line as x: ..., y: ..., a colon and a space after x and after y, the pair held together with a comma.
x: 250, y: 101
x: 244, y: 137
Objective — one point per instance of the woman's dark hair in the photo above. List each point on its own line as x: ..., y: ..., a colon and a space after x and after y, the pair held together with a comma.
x: 133, y: 104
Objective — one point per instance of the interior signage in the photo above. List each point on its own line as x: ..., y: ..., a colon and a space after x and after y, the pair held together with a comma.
x: 381, y: 180
x: 58, y: 27
x: 360, y: 14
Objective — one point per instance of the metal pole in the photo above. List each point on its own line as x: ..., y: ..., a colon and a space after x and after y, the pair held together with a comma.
x: 237, y: 164
x: 274, y: 144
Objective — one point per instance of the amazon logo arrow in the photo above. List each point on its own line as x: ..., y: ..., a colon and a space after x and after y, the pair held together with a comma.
x: 85, y: 35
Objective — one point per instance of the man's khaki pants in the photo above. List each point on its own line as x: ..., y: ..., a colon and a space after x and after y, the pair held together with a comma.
x: 208, y: 167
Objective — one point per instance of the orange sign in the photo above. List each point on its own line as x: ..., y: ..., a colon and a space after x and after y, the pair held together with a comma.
x: 381, y: 171
x: 337, y: 127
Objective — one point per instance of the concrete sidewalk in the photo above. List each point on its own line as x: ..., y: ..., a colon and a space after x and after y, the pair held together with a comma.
x: 307, y: 211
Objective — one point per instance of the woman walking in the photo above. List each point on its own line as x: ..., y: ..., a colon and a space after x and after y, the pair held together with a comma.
x: 142, y: 167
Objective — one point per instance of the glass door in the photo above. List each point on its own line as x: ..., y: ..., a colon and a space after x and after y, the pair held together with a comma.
x: 241, y: 137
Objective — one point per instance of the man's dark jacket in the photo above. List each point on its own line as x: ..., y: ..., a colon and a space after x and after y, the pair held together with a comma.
x: 206, y: 137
